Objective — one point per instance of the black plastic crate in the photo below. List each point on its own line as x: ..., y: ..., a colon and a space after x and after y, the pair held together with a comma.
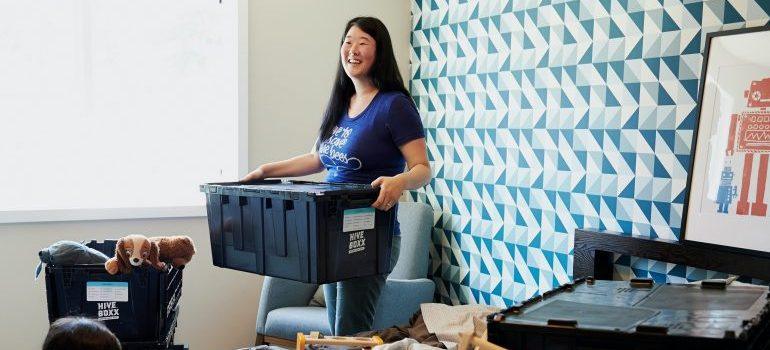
x: 138, y: 307
x: 164, y: 342
x: 594, y: 314
x: 311, y: 232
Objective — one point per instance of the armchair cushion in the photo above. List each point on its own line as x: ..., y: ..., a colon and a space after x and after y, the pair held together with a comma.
x: 288, y: 321
x: 279, y: 293
x: 399, y: 300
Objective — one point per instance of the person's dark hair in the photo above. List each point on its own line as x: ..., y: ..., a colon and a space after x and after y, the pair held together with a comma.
x: 80, y: 333
x: 384, y: 73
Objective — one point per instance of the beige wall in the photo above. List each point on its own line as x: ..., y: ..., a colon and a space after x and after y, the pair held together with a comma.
x: 294, y: 57
x: 293, y: 52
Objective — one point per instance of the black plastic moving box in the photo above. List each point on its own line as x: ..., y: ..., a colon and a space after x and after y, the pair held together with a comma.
x: 596, y: 314
x: 141, y: 307
x: 311, y: 232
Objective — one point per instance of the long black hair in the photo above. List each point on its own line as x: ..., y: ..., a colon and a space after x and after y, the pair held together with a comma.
x: 384, y: 74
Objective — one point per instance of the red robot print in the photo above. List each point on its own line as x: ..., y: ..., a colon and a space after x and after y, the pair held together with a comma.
x: 749, y: 134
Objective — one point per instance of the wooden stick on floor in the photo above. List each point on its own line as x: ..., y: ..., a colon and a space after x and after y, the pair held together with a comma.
x: 316, y: 338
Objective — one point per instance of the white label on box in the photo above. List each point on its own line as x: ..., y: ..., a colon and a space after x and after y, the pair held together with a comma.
x: 358, y: 219
x: 107, y: 291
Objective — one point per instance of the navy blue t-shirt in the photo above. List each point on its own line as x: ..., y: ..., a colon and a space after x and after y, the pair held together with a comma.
x: 365, y: 147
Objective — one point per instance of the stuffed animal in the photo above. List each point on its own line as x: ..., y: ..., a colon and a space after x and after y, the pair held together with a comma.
x: 137, y: 250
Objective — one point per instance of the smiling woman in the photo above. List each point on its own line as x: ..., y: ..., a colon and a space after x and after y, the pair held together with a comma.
x: 369, y: 133
x: 104, y: 119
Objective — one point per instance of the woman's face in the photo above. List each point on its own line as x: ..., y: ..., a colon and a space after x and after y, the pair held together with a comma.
x: 358, y: 52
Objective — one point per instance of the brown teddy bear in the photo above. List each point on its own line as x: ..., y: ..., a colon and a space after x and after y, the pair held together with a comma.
x: 136, y: 250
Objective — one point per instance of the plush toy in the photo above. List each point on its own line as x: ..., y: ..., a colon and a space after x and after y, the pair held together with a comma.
x: 136, y: 250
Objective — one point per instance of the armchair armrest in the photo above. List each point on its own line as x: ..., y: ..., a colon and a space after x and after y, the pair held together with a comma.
x: 400, y: 299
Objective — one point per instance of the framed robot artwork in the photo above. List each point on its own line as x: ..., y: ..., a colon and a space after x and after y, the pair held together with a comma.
x: 726, y: 203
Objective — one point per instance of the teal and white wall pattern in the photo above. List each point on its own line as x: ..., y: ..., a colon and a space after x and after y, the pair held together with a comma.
x: 546, y: 116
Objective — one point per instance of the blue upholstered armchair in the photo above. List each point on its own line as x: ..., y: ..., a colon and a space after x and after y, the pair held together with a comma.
x: 283, y: 306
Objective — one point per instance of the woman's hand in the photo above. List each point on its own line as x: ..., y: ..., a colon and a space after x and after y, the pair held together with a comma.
x: 390, y: 191
x: 257, y: 174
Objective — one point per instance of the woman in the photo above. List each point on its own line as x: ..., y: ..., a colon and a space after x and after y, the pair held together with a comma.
x: 370, y: 130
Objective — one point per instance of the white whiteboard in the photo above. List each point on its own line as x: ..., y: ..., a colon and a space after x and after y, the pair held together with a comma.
x: 117, y: 109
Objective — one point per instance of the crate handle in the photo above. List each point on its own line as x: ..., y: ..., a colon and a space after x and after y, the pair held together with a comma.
x: 562, y: 323
x: 361, y: 202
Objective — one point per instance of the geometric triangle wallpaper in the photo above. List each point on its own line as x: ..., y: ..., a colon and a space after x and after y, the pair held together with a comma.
x: 546, y: 116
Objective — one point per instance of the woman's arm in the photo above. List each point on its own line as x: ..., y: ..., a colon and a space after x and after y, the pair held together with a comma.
x: 305, y: 164
x: 417, y: 175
